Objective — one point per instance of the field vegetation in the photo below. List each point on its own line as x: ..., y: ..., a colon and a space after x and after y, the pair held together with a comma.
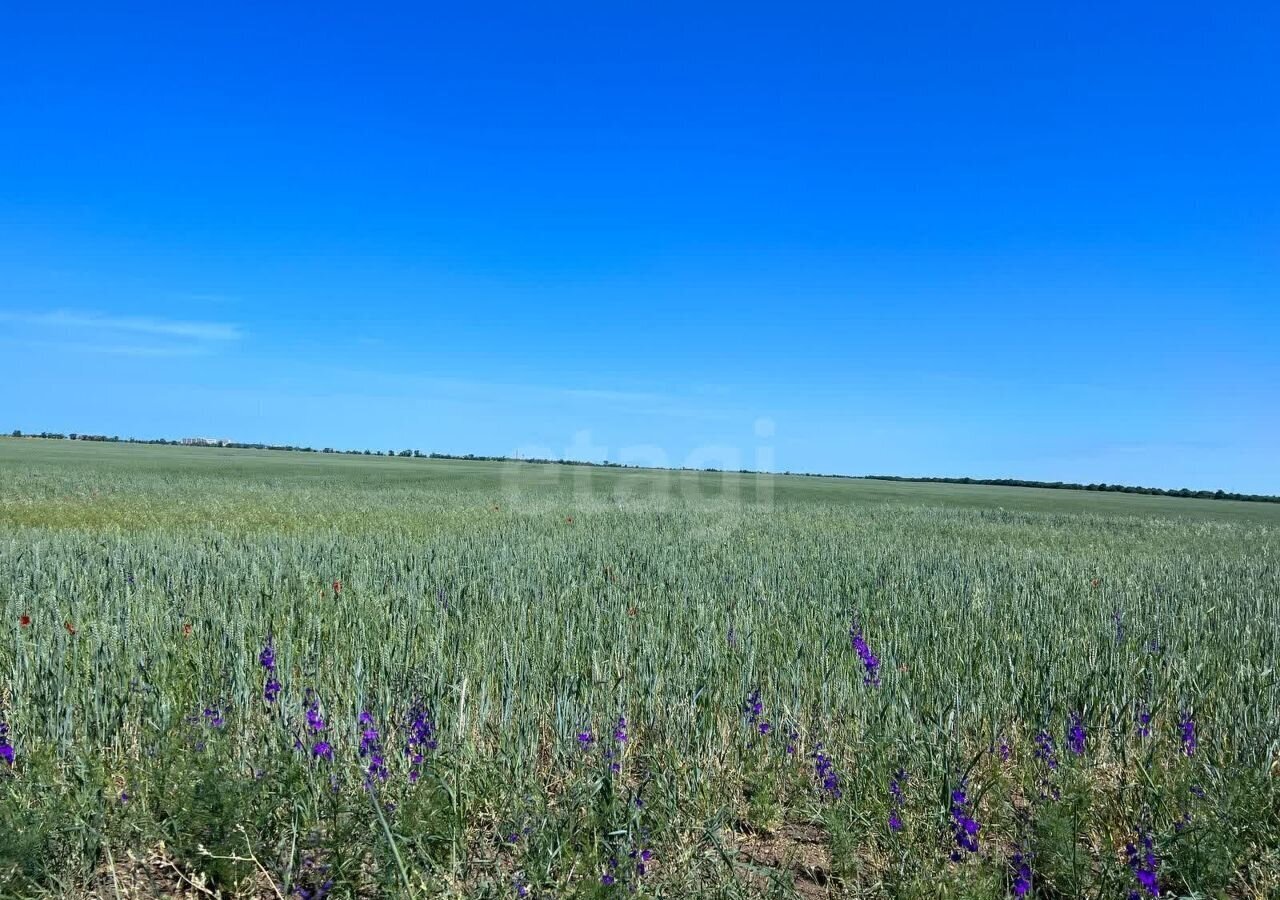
x: 265, y: 674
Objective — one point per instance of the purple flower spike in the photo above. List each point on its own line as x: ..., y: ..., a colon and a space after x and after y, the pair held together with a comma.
x: 1076, y: 735
x: 422, y: 739
x: 1188, y: 729
x: 896, y: 799
x: 754, y: 709
x: 371, y: 749
x: 1022, y: 874
x: 1046, y: 750
x: 824, y: 770
x: 267, y: 658
x: 315, y: 721
x: 963, y: 825
x: 1145, y: 865
x: 870, y: 661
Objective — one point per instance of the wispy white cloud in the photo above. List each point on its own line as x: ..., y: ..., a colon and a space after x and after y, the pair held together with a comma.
x: 191, y: 349
x: 139, y: 325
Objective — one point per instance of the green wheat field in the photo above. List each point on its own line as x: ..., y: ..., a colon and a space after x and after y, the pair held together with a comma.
x: 264, y: 674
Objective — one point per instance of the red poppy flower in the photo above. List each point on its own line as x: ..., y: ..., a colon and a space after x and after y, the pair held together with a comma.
x: 71, y: 629
x: 186, y: 629
x: 337, y: 587
x: 24, y: 620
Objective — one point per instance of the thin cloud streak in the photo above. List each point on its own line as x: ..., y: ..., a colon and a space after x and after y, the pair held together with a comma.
x: 199, y: 331
x: 113, y: 349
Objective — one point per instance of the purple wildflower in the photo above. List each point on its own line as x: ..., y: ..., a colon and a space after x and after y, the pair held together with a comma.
x: 824, y: 770
x: 895, y: 785
x: 1021, y: 874
x: 584, y: 739
x: 870, y: 661
x: 6, y: 748
x: 1004, y: 750
x: 371, y: 747
x: 1145, y: 865
x: 620, y: 730
x: 896, y: 799
x: 267, y: 658
x: 213, y: 717
x: 754, y: 709
x: 422, y: 738
x: 322, y: 750
x: 1046, y: 749
x: 315, y: 721
x: 641, y: 858
x: 1188, y: 728
x: 521, y: 889
x: 611, y: 866
x: 1076, y: 735
x: 1144, y: 723
x: 963, y: 825
x: 310, y: 872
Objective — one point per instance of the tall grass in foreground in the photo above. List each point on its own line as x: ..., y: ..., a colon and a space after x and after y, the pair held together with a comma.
x: 469, y: 695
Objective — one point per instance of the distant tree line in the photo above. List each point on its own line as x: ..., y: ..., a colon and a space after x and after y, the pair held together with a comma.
x: 418, y: 454
x: 1074, y: 486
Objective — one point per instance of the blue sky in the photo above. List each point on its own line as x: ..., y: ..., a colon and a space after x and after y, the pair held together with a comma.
x: 939, y: 239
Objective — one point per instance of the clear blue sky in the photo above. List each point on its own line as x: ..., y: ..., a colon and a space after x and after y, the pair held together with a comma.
x: 919, y: 239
